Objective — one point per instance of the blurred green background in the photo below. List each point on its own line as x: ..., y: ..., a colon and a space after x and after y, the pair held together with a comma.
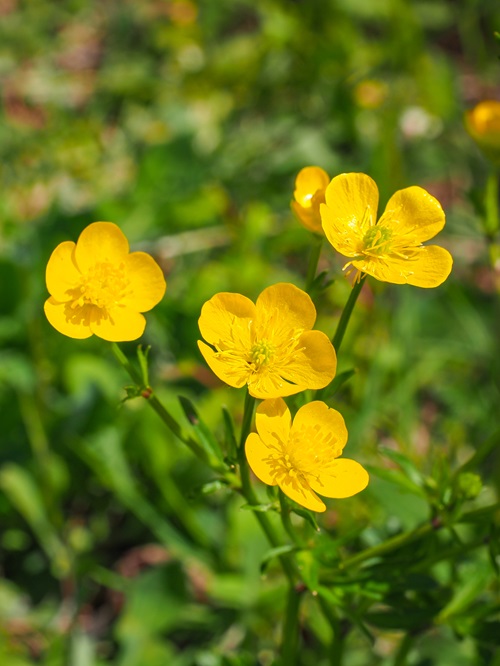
x: 185, y: 123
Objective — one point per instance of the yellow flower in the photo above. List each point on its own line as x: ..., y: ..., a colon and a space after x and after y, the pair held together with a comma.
x: 391, y: 249
x: 268, y: 345
x: 96, y: 286
x: 310, y: 186
x: 483, y: 124
x: 302, y: 457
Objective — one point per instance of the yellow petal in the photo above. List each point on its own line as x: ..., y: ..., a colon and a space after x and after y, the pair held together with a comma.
x: 313, y: 365
x: 257, y: 452
x: 344, y: 479
x: 100, y: 242
x: 268, y: 385
x: 413, y: 213
x: 273, y: 421
x: 147, y: 283
x: 300, y: 492
x: 120, y: 324
x: 327, y: 423
x: 235, y: 373
x: 309, y: 180
x: 309, y: 217
x: 62, y: 273
x: 226, y: 318
x: 430, y: 267
x: 283, y: 306
x: 73, y: 322
x: 350, y: 210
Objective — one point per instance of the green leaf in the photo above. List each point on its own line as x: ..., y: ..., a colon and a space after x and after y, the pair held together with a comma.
x: 337, y: 383
x: 142, y: 357
x: 474, y: 581
x: 396, y: 477
x: 230, y: 436
x: 205, y: 436
x: 405, y: 619
x: 307, y: 515
x: 23, y: 492
x: 276, y: 552
x: 261, y: 508
x: 405, y: 463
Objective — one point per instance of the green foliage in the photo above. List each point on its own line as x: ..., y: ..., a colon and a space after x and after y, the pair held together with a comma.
x: 185, y: 123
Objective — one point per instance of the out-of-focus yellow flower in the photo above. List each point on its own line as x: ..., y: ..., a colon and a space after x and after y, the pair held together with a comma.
x: 370, y: 93
x: 301, y: 457
x: 268, y: 346
x: 97, y: 287
x: 391, y: 249
x: 483, y: 124
x: 309, y: 193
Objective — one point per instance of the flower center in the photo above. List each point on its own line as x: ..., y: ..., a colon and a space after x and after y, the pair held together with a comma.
x: 309, y: 451
x: 261, y: 353
x: 103, y: 285
x: 377, y: 240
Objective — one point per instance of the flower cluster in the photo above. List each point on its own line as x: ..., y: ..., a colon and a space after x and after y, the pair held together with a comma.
x: 98, y: 287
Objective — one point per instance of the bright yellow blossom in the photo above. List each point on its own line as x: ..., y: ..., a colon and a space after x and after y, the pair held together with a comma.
x: 302, y: 457
x: 268, y: 346
x: 391, y: 249
x: 98, y: 287
x: 483, y: 124
x: 310, y: 186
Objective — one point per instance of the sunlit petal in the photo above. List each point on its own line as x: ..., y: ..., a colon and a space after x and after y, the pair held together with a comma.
x: 117, y: 325
x: 414, y: 214
x: 309, y: 180
x: 62, y: 273
x: 301, y: 493
x: 235, y: 374
x: 71, y: 321
x: 327, y: 424
x: 147, y: 283
x: 350, y: 209
x: 344, y: 478
x: 227, y: 317
x: 273, y: 421
x: 313, y: 364
x: 257, y: 454
x: 283, y: 302
x: 100, y: 242
x: 429, y: 267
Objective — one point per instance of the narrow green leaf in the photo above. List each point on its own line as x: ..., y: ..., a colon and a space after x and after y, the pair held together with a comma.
x: 142, y: 357
x: 276, y: 552
x: 230, y: 435
x: 405, y: 463
x: 261, y: 508
x: 307, y: 515
x: 205, y: 436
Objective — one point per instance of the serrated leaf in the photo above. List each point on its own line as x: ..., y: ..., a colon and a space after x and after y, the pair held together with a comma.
x: 276, y: 552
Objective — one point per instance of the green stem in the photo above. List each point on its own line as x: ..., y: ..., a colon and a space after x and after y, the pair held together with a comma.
x: 403, y: 650
x: 387, y: 546
x: 162, y: 411
x: 249, y: 494
x: 491, y: 204
x: 337, y: 646
x: 290, y: 640
x: 285, y: 518
x: 346, y: 314
x: 314, y: 256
